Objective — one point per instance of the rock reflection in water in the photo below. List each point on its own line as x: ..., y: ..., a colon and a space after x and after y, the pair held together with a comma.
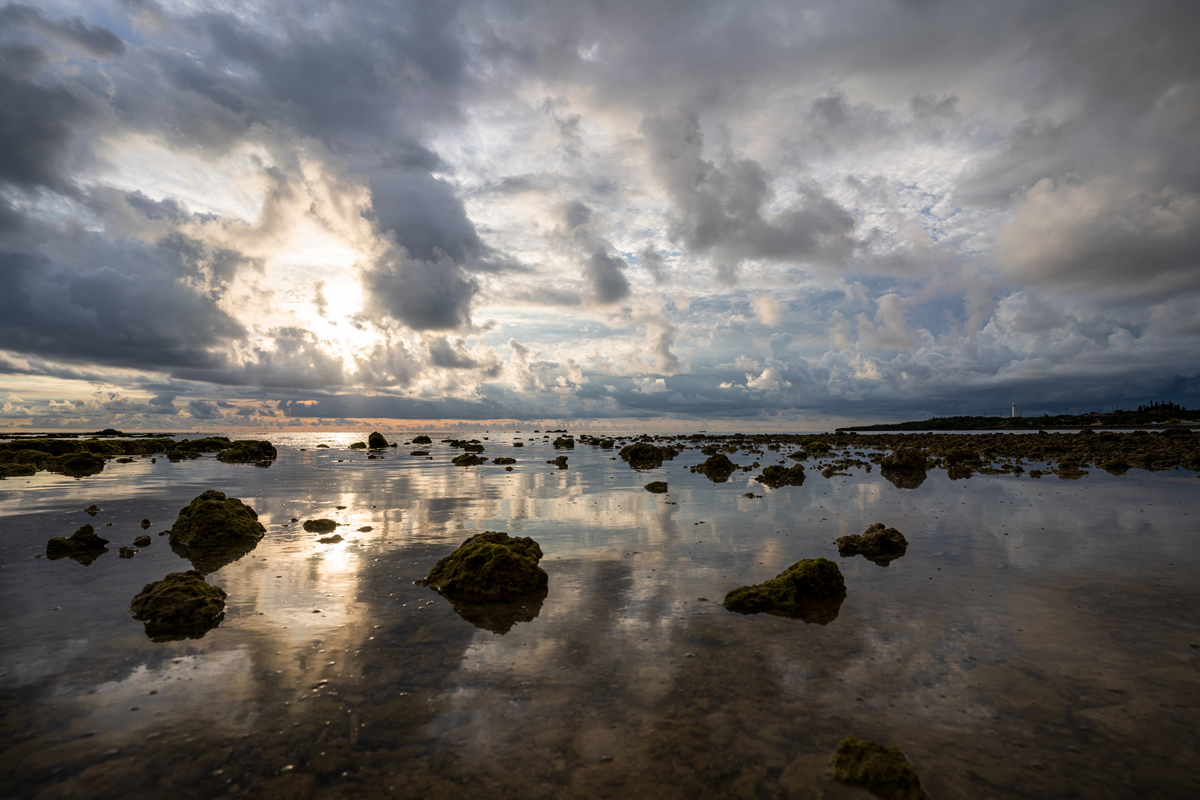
x: 210, y: 558
x: 500, y: 616
x: 904, y: 478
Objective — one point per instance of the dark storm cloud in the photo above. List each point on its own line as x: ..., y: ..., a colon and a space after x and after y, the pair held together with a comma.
x: 94, y: 39
x: 720, y: 210
x: 424, y: 295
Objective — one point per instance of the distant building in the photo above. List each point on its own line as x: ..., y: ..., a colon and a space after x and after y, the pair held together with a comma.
x: 1014, y: 416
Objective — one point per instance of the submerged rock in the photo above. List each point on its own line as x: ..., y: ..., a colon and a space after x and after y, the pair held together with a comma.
x: 658, y: 487
x: 320, y: 525
x: 877, y: 544
x: 468, y: 460
x: 83, y: 546
x: 776, y: 476
x: 248, y: 451
x: 127, y: 552
x: 811, y: 590
x: 337, y: 537
x: 214, y: 530
x: 717, y: 468
x: 181, y: 605
x: 489, y: 566
x: 376, y: 441
x: 884, y: 771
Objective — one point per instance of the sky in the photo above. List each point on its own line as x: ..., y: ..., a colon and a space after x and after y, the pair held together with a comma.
x: 652, y: 214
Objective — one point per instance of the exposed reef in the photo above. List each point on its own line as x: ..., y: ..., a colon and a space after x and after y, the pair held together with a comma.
x: 249, y: 451
x: 468, y: 460
x: 717, y: 468
x: 811, y: 590
x: 489, y: 566
x: 776, y: 476
x: 878, y: 544
x: 180, y: 606
x: 643, y: 455
x: 214, y: 530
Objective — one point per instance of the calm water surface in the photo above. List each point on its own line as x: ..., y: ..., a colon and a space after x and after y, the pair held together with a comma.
x: 1039, y: 639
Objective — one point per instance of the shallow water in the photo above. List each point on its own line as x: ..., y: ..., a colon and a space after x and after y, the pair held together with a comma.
x: 1038, y: 639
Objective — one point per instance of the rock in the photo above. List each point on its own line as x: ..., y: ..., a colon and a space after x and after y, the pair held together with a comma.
x: 657, y: 487
x: 560, y: 462
x: 93, y: 509
x: 643, y: 455
x: 214, y: 530
x: 248, y: 451
x: 904, y: 478
x: 181, y: 605
x: 320, y: 525
x: 776, y: 476
x: 489, y: 566
x: 717, y: 468
x: 963, y: 456
x: 565, y: 441
x: 500, y: 616
x: 359, y: 446
x: 376, y: 441
x: 422, y: 440
x: 502, y: 460
x: 419, y: 453
x: 365, y: 529
x: 83, y: 546
x: 78, y: 465
x: 884, y: 771
x: 1115, y: 466
x: 145, y: 524
x: 331, y: 539
x: 468, y: 460
x: 811, y: 590
x: 322, y: 447
x: 142, y: 541
x: 905, y: 458
x: 877, y: 544
x: 127, y: 552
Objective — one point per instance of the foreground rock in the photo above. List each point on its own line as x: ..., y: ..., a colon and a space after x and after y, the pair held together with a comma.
x: 83, y: 546
x: 811, y: 590
x: 877, y: 544
x: 181, y: 605
x: 717, y: 468
x: 376, y: 441
x: 884, y: 771
x: 776, y: 476
x: 490, y: 566
x: 249, y: 451
x: 214, y: 530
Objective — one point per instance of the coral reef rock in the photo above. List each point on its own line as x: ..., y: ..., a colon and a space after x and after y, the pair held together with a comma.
x: 489, y: 566
x: 883, y: 771
x: 877, y: 543
x: 811, y: 590
x: 181, y: 605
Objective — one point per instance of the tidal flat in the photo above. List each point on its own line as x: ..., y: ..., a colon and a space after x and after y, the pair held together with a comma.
x: 1036, y: 637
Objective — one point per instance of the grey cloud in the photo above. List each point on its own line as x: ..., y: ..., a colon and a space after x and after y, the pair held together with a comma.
x: 655, y: 264
x: 424, y: 295
x: 95, y: 39
x: 444, y: 354
x: 39, y: 131
x: 203, y: 410
x: 606, y: 276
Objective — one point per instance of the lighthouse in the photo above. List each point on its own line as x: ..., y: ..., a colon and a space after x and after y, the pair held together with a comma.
x: 1014, y: 416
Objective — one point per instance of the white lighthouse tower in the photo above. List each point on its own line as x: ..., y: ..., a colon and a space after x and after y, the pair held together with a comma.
x: 1014, y: 416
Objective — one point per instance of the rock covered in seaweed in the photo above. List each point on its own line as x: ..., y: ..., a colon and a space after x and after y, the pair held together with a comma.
x: 320, y: 525
x: 489, y: 566
x: 884, y: 771
x: 181, y: 605
x: 657, y: 487
x: 214, y: 530
x: 811, y: 590
x: 468, y: 460
x: 878, y: 544
x: 905, y: 458
x: 248, y: 451
x: 776, y: 476
x: 717, y: 468
x: 83, y: 546
x: 643, y: 455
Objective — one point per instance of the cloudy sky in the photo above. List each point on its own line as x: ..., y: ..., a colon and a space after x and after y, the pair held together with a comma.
x: 607, y: 214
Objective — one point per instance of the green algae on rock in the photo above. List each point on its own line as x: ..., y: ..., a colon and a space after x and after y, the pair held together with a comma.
x: 503, y: 460
x: 657, y: 487
x: 717, y: 468
x: 320, y: 525
x: 776, y: 476
x: 884, y: 771
x: 181, y: 605
x: 213, y: 518
x: 643, y: 455
x: 248, y: 451
x: 811, y: 590
x: 877, y: 544
x: 489, y: 566
x: 468, y: 460
x: 83, y: 546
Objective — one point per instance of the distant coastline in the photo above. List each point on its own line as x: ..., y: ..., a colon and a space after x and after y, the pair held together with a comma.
x: 1153, y: 418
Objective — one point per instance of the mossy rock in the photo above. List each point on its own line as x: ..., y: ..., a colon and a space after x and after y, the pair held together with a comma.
x: 320, y: 525
x: 1115, y: 466
x: 717, y: 468
x: 560, y: 462
x: 812, y: 590
x: 213, y: 518
x: 503, y: 460
x: 657, y: 487
x: 181, y: 605
x: 422, y: 440
x: 376, y: 441
x: 79, y: 464
x: 565, y: 441
x: 83, y: 546
x: 960, y: 455
x: 643, y: 455
x: 776, y: 476
x: 489, y: 566
x: 468, y: 460
x: 248, y: 451
x: 813, y: 445
x: 17, y: 470
x: 877, y: 544
x: 884, y: 771
x: 906, y: 458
